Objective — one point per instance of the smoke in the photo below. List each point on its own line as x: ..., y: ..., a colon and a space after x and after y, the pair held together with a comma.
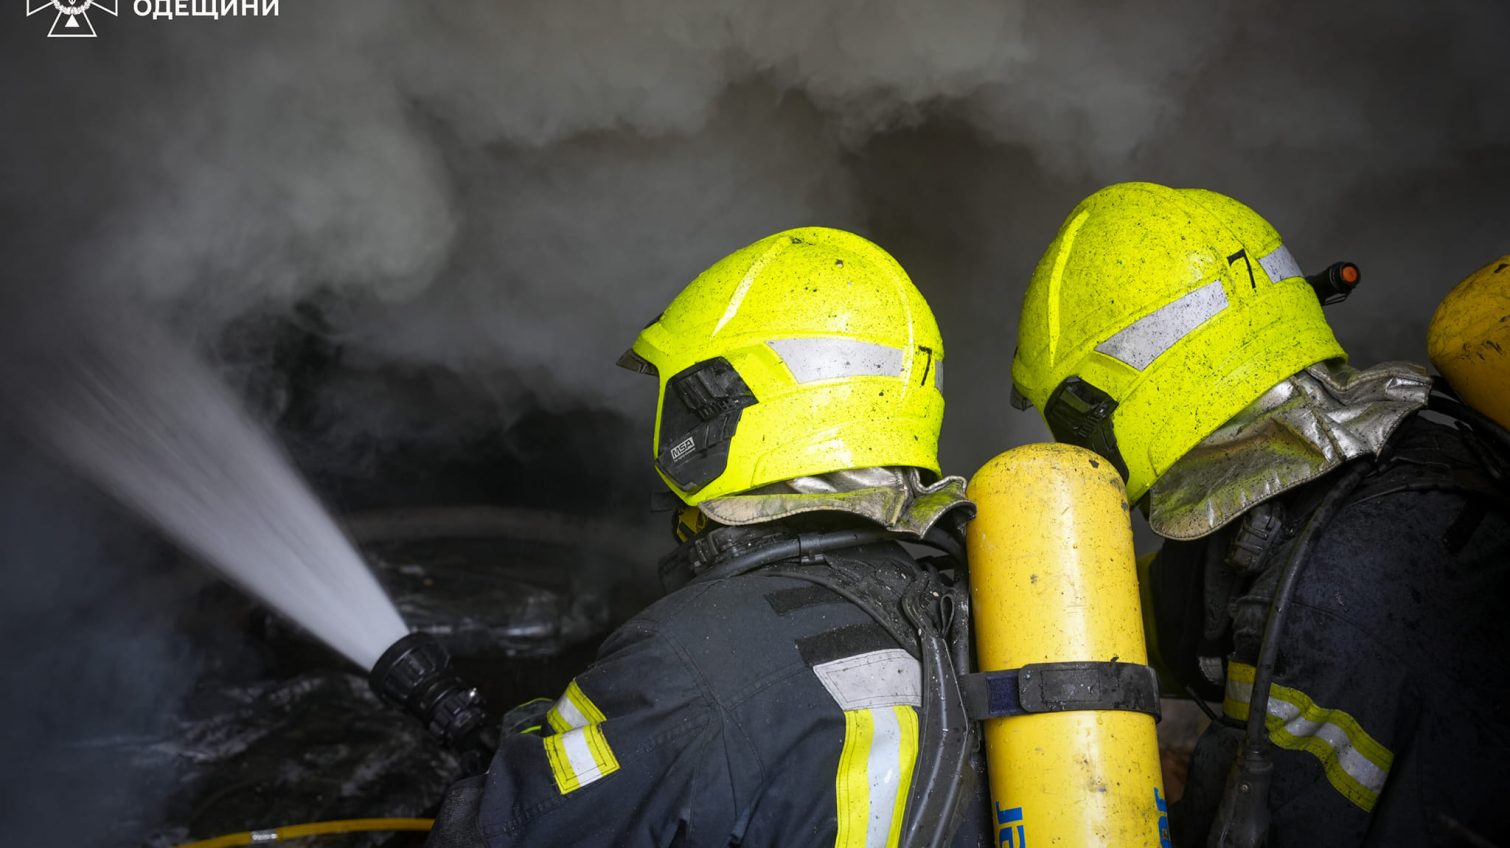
x: 505, y: 191
x: 93, y: 667
x: 493, y: 197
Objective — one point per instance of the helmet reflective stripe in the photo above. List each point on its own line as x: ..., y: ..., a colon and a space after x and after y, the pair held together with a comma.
x: 1142, y: 341
x: 811, y: 360
x: 1279, y: 264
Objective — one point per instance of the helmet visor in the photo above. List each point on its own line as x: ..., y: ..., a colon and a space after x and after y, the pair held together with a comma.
x: 632, y: 361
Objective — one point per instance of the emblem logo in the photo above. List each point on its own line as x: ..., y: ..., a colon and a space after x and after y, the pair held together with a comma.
x: 72, y: 19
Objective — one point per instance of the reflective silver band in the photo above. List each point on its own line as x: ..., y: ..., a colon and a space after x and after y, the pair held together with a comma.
x: 1142, y: 341
x: 884, y: 678
x: 1280, y: 265
x: 811, y: 360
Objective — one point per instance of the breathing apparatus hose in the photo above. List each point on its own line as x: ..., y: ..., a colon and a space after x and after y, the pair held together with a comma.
x: 1242, y: 820
x: 801, y: 546
x: 942, y: 618
x: 325, y: 828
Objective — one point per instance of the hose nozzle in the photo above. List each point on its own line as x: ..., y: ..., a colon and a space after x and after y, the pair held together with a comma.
x: 415, y: 675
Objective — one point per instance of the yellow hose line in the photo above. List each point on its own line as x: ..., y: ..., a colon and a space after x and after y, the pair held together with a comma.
x: 295, y: 831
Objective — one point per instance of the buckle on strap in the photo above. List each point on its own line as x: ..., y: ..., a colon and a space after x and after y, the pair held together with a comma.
x: 1061, y: 687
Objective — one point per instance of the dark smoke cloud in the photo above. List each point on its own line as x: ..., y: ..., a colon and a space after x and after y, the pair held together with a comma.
x: 504, y: 192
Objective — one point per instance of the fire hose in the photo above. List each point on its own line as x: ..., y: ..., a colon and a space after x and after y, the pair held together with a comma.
x: 295, y: 831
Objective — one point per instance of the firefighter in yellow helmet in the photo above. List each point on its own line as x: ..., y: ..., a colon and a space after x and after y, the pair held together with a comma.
x: 776, y: 696
x: 1334, y: 559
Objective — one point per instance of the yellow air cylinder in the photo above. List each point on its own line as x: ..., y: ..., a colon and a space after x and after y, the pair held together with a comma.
x: 1469, y: 339
x: 1053, y: 579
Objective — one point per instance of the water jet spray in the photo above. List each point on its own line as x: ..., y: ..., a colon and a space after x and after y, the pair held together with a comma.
x: 146, y: 420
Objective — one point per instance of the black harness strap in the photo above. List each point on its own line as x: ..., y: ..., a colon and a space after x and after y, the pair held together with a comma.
x: 931, y: 614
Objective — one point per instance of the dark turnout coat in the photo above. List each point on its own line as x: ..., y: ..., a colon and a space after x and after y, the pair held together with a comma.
x: 759, y: 710
x: 1390, y: 709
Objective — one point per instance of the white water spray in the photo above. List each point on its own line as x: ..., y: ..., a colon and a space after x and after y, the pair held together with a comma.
x: 146, y: 420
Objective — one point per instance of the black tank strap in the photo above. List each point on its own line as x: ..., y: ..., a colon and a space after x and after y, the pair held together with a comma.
x: 1061, y: 687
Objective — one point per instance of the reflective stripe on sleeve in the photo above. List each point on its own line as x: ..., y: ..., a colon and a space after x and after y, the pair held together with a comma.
x: 578, y: 752
x: 579, y: 757
x: 875, y: 775
x: 573, y: 709
x: 1355, y: 763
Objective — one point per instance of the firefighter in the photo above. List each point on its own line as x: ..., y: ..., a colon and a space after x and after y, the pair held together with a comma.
x: 1336, y: 559
x: 793, y: 688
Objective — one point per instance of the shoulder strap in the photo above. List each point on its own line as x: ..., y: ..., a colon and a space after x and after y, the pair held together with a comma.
x: 1476, y: 459
x: 1489, y: 441
x: 934, y: 615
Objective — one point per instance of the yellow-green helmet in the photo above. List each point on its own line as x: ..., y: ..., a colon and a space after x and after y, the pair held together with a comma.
x: 1157, y: 314
x: 807, y: 352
